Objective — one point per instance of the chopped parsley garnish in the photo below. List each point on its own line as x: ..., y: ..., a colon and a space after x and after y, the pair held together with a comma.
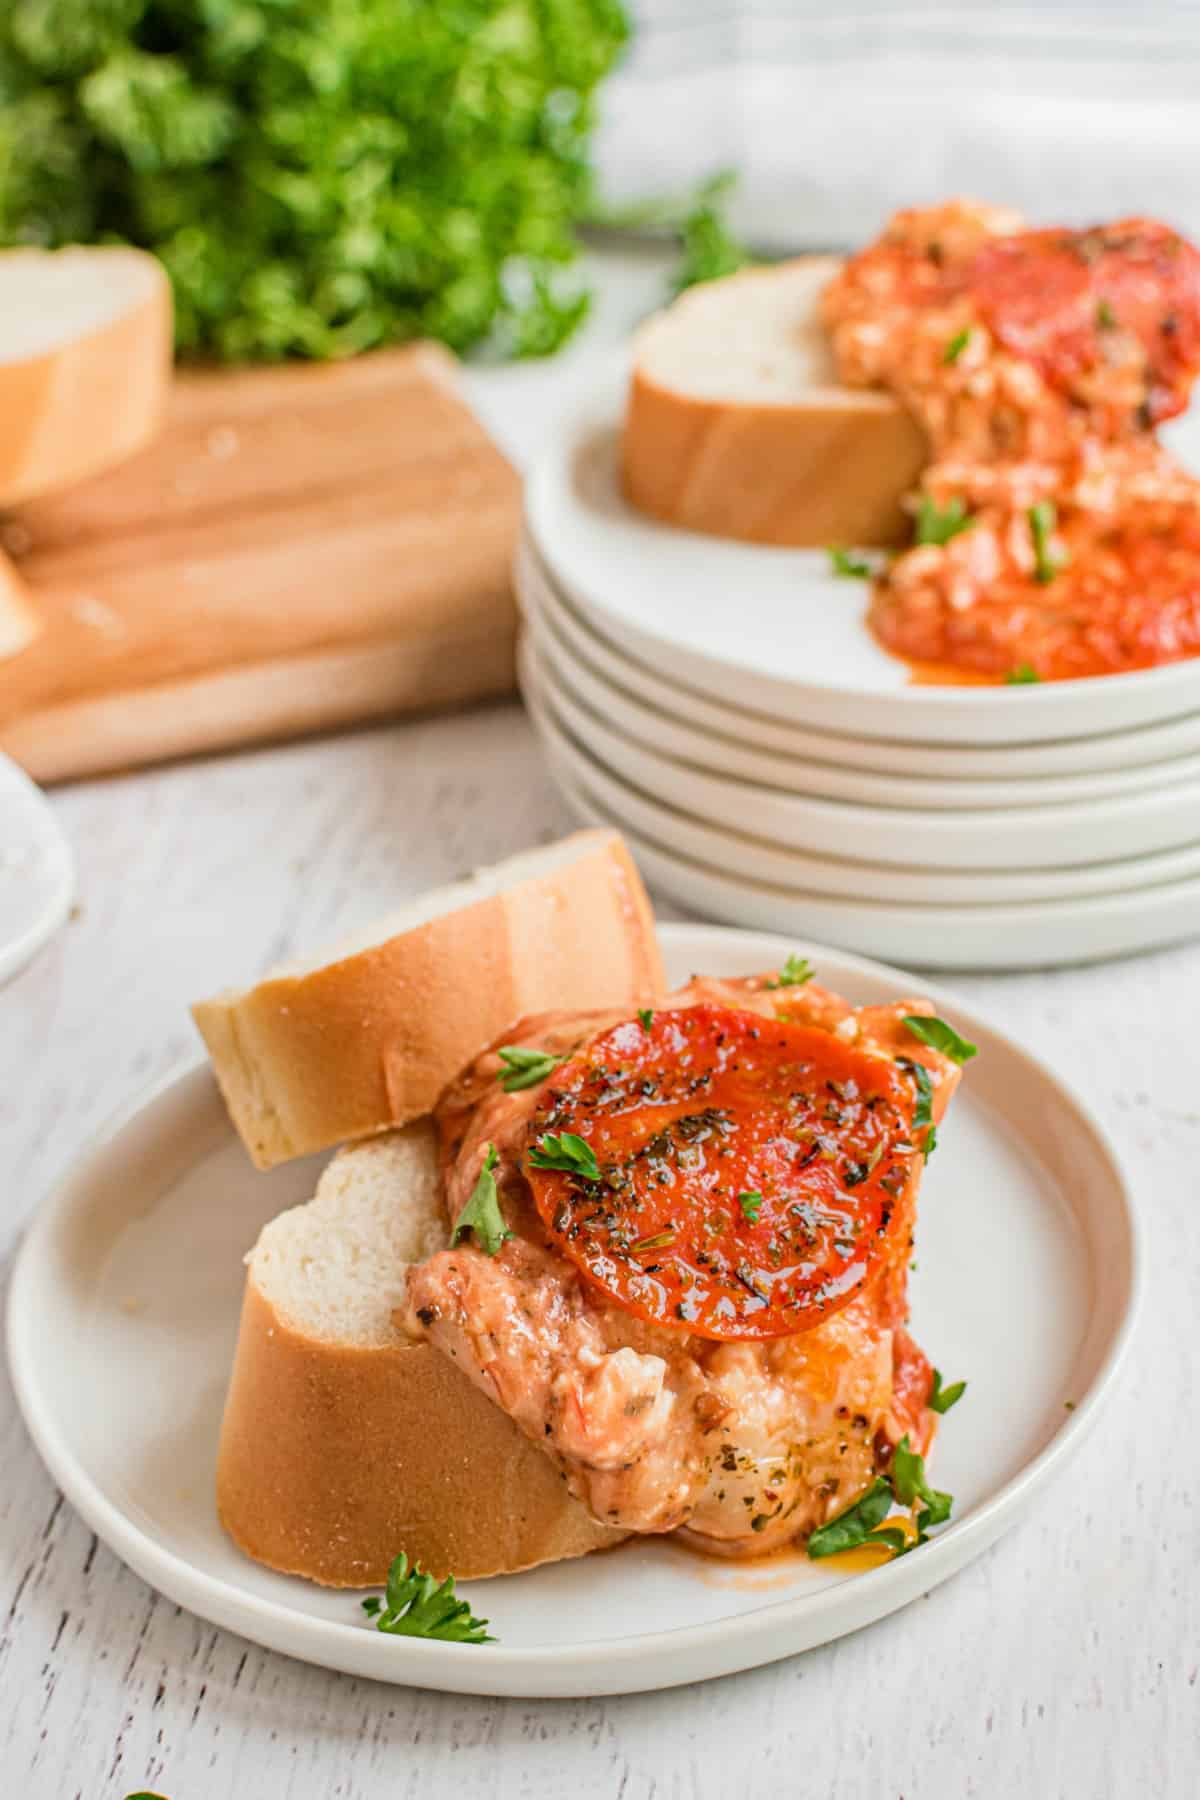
x: 525, y: 1068
x: 645, y: 1017
x: 923, y: 1111
x: 794, y: 973
x: 751, y: 1204
x: 938, y: 524
x: 1043, y: 517
x: 941, y: 1398
x: 1021, y: 675
x: 957, y: 345
x: 566, y: 1152
x: 415, y: 1605
x: 940, y: 1036
x: 482, y: 1214
x: 849, y: 565
x: 905, y: 1485
x: 1106, y: 318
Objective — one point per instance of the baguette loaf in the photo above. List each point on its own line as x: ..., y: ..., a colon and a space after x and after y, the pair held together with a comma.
x: 343, y: 1441
x: 367, y: 1037
x: 737, y: 426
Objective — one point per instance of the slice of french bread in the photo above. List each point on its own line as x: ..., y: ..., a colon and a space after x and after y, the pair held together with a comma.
x: 736, y: 424
x: 366, y: 1036
x: 344, y: 1442
x: 18, y: 621
x: 85, y: 362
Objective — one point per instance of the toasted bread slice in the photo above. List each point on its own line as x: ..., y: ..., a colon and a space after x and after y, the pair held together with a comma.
x: 737, y: 425
x: 344, y: 1442
x: 366, y: 1037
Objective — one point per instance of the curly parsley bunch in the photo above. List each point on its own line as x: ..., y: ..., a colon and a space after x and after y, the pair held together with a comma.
x: 319, y: 176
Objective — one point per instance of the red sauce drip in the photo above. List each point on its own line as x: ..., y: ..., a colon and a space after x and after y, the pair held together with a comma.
x: 749, y: 1169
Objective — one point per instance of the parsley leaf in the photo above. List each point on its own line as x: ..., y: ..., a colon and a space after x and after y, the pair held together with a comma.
x: 418, y: 1606
x: 1043, y: 517
x: 923, y: 1111
x: 1023, y: 674
x: 1106, y: 318
x: 940, y: 1036
x: 909, y: 1483
x: 525, y: 1068
x: 794, y: 973
x: 566, y: 1152
x: 855, y: 1525
x: 751, y: 1204
x: 645, y: 1017
x: 849, y: 565
x: 942, y: 1399
x: 957, y: 345
x: 937, y: 525
x: 482, y: 1214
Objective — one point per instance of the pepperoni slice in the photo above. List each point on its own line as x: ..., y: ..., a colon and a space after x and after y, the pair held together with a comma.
x: 746, y: 1169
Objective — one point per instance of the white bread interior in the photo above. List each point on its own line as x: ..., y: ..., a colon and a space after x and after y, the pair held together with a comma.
x: 736, y: 424
x: 344, y: 1442
x: 85, y: 363
x: 364, y: 1038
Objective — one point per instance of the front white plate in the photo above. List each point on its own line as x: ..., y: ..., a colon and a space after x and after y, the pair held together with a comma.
x: 123, y: 1314
x: 1017, y: 837
x: 774, y: 630
x: 37, y: 876
x: 541, y: 599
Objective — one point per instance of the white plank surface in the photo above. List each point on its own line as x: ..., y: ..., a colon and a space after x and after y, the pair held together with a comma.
x: 1065, y: 1663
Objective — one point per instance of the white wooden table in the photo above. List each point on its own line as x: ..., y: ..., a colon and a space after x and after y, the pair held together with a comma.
x: 1065, y: 1663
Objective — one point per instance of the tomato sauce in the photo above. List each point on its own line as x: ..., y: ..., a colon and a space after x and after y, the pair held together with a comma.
x: 748, y: 1171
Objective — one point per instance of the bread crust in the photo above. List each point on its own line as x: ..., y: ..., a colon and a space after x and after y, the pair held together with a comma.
x: 73, y: 410
x: 382, y: 1450
x: 831, y: 467
x: 369, y: 1042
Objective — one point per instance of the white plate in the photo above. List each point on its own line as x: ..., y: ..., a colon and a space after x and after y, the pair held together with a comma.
x: 123, y: 1313
x: 576, y: 683
x: 629, y: 809
x: 1028, y: 837
x: 775, y: 630
x: 37, y: 875
x: 541, y: 599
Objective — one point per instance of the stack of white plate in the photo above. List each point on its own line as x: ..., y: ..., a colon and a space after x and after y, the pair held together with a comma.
x: 726, y: 708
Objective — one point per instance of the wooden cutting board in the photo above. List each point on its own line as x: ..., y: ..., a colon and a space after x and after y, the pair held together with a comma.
x: 302, y: 547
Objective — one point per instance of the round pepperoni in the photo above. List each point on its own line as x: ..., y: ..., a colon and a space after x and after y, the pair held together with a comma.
x: 723, y: 1173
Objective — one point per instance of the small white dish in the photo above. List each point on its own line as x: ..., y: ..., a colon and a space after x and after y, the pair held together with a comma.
x: 775, y: 630
x: 577, y: 683
x: 123, y: 1313
x: 541, y: 599
x: 1032, y: 837
x: 586, y: 782
x: 37, y: 873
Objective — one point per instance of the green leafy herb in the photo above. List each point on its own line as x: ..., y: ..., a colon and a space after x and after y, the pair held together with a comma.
x: 318, y: 177
x: 750, y: 1203
x: 1106, y: 318
x: 923, y: 1111
x: 942, y: 1399
x: 855, y: 1525
x: 566, y: 1152
x: 1043, y: 517
x: 940, y: 1036
x: 1021, y: 675
x: 909, y: 1485
x: 645, y: 1017
x: 957, y: 345
x: 482, y: 1214
x: 417, y: 1606
x: 937, y: 525
x: 794, y: 973
x: 525, y: 1068
x: 849, y: 565
x: 710, y: 248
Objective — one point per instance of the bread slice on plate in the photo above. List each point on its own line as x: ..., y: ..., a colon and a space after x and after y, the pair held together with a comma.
x: 344, y: 1442
x: 366, y: 1036
x: 737, y: 425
